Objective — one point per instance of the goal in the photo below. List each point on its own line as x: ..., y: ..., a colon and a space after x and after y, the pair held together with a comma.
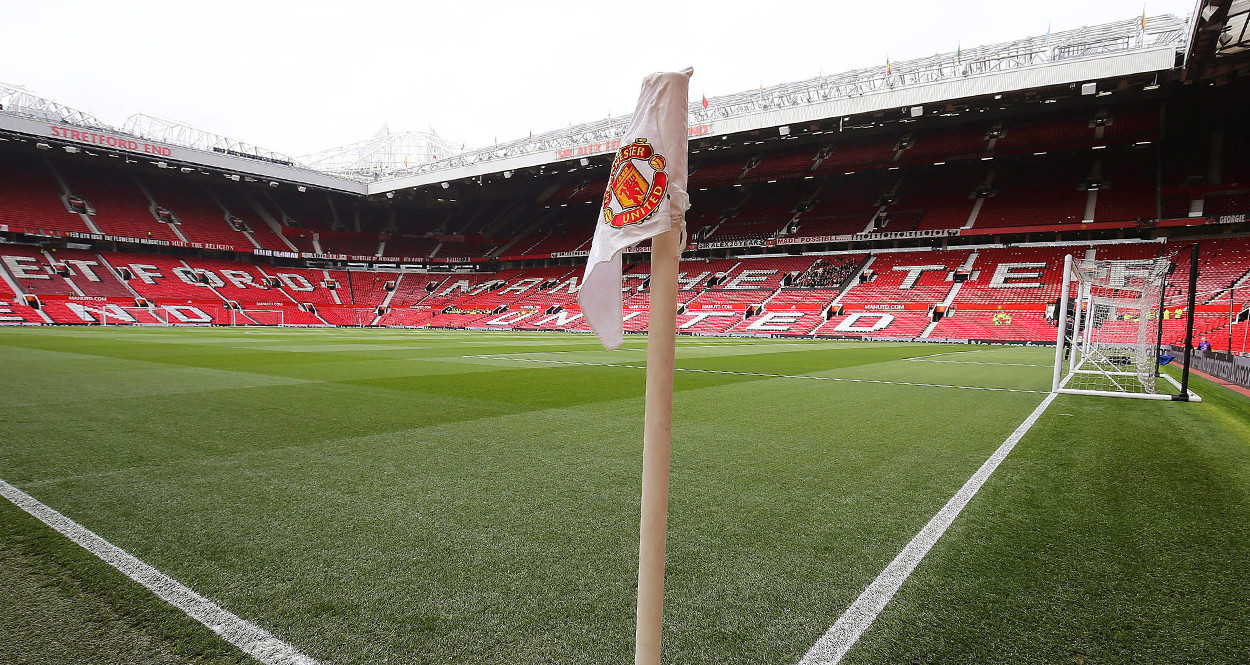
x: 257, y: 317
x: 1111, y: 321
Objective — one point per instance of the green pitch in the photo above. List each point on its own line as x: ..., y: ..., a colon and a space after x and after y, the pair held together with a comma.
x: 449, y: 497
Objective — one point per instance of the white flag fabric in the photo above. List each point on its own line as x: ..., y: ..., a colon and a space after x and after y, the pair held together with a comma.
x: 646, y: 196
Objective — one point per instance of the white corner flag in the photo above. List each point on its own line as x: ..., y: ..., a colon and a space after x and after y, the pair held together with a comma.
x: 646, y: 196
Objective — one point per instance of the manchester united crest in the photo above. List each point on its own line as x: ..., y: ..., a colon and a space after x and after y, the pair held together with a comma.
x: 637, y: 185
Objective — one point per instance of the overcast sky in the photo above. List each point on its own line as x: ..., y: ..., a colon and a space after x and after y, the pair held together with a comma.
x: 296, y: 77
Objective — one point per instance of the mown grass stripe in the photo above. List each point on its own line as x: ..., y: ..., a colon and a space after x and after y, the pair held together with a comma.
x: 813, y: 377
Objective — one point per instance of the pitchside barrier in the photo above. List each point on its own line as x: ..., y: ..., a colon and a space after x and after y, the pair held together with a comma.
x: 1221, y: 365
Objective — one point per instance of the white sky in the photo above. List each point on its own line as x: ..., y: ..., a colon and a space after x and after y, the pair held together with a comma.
x: 296, y: 77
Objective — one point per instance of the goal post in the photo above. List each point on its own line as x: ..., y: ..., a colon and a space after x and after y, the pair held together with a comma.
x: 1110, y: 323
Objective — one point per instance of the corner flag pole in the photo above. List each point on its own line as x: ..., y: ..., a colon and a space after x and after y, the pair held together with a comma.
x: 656, y: 445
x: 646, y: 198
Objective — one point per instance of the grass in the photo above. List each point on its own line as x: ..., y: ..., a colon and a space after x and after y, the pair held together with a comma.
x: 377, y: 496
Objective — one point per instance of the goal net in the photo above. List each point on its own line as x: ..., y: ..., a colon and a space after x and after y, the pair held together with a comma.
x: 1110, y: 325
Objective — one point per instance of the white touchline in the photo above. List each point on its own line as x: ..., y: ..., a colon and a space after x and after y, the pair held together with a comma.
x: 842, y: 635
x: 252, y: 639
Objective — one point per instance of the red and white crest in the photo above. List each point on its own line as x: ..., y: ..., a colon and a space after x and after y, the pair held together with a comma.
x: 637, y: 186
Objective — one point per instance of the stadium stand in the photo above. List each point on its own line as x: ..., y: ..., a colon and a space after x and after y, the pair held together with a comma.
x: 911, y: 279
x: 31, y: 197
x: 200, y: 219
x: 238, y: 206
x: 1050, y: 190
x: 121, y: 207
x: 947, y: 222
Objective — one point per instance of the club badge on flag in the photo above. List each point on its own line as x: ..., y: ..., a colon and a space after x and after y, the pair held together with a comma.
x: 646, y: 196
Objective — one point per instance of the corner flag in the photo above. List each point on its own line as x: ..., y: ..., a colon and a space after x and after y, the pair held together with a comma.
x: 646, y: 196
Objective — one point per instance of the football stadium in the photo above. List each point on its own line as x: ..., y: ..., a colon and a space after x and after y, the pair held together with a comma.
x: 960, y: 374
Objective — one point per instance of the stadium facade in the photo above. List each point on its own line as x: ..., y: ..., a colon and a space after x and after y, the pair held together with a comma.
x: 929, y: 199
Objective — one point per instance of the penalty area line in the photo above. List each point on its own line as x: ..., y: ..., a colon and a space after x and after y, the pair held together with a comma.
x: 843, y: 634
x: 809, y: 377
x: 247, y: 636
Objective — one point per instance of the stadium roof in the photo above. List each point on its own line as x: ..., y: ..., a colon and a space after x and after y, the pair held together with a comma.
x: 382, y: 155
x: 1114, y: 49
x: 392, y: 161
x: 17, y: 100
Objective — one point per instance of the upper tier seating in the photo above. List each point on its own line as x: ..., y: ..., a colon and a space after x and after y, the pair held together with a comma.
x: 943, y: 195
x: 202, y: 220
x: 1127, y: 189
x: 858, y: 154
x: 846, y: 205
x: 31, y: 197
x: 409, y: 247
x: 1045, y: 132
x: 1046, y: 192
x: 351, y: 245
x: 799, y: 160
x: 711, y: 170
x: 121, y: 207
x: 964, y: 142
x: 236, y: 204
